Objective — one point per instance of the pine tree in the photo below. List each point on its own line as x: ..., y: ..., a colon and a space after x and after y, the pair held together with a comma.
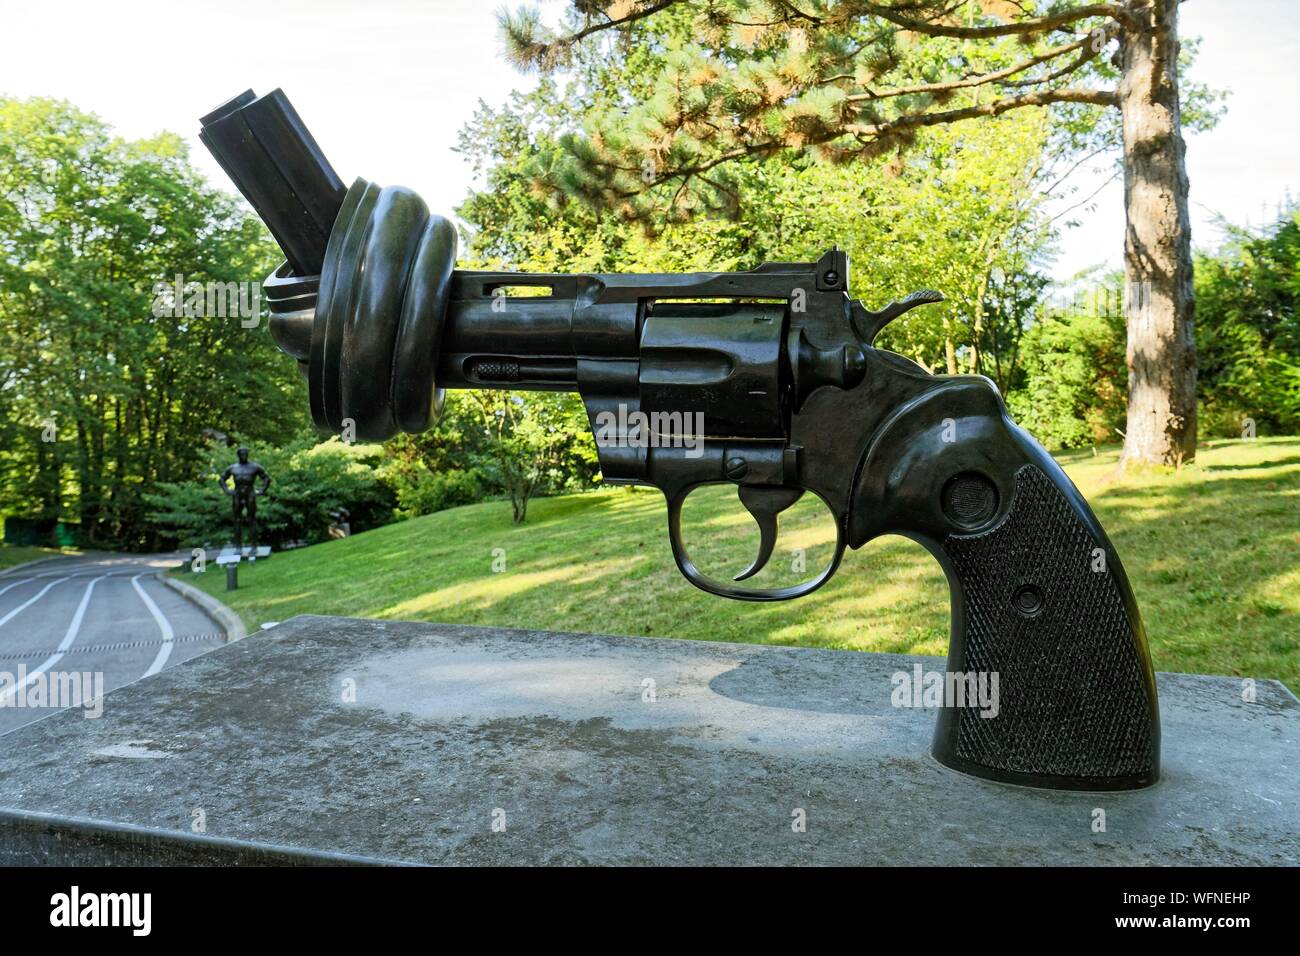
x: 853, y: 80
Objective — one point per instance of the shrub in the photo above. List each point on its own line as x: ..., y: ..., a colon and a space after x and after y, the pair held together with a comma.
x: 307, y: 483
x: 1248, y: 334
x: 427, y: 492
x: 1074, y: 385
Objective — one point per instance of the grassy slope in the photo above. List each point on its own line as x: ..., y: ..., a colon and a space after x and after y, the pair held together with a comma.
x: 11, y: 555
x: 1213, y: 553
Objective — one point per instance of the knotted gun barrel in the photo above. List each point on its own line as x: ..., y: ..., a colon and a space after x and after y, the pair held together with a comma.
x: 776, y: 371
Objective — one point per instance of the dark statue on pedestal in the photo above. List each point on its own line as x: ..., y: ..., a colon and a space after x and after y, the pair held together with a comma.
x: 244, y: 495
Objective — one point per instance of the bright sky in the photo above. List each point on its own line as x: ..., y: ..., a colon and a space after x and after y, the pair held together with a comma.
x: 1244, y: 166
x: 386, y: 84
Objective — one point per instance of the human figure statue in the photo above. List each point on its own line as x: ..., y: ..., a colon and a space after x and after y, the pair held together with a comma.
x: 244, y: 495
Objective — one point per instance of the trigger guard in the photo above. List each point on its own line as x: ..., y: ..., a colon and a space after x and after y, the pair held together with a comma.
x: 727, y: 589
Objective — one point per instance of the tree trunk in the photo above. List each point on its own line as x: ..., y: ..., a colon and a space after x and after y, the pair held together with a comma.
x: 1159, y: 297
x: 949, y: 350
x: 86, y: 508
x: 977, y: 329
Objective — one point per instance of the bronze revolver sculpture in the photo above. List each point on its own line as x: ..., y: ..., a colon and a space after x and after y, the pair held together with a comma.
x: 779, y: 365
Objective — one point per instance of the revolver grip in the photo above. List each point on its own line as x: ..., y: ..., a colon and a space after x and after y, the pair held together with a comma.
x: 1078, y: 703
x: 1039, y: 597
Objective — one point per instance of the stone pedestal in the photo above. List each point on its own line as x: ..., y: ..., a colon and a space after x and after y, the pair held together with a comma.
x: 336, y: 740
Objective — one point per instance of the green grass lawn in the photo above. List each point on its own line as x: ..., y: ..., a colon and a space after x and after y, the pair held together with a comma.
x: 21, y: 554
x: 1213, y: 553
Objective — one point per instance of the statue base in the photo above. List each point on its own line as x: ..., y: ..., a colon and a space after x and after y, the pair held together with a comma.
x: 338, y: 740
x: 232, y: 555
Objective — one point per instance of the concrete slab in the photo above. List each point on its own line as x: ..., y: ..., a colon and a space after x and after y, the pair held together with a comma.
x: 415, y: 742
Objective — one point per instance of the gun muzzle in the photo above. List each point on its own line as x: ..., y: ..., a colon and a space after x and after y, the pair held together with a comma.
x: 360, y: 300
x: 268, y: 153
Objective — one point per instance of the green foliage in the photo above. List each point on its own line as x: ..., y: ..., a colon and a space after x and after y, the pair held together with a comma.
x: 438, y: 469
x: 308, y: 481
x: 1013, y: 295
x: 960, y: 214
x: 766, y: 80
x: 536, y: 443
x: 428, y: 491
x: 1073, y: 383
x: 101, y: 400
x: 1248, y: 333
x: 1069, y: 385
x: 488, y: 444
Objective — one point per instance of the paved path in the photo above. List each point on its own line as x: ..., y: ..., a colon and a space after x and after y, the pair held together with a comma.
x: 105, y: 616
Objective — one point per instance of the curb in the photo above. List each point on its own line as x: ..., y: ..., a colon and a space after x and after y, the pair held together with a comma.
x: 230, y: 621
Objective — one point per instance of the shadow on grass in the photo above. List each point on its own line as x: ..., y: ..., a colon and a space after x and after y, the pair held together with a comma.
x: 1216, y: 571
x: 1271, y: 463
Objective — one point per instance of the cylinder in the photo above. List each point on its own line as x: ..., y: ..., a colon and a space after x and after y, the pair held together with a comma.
x: 718, y: 363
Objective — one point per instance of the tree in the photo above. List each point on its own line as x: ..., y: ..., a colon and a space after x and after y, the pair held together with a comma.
x: 951, y: 216
x: 751, y: 80
x: 1069, y: 390
x: 537, y: 442
x: 101, y: 396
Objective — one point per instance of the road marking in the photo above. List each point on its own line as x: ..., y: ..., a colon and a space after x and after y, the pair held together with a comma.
x: 64, y: 644
x: 218, y: 637
x: 165, y: 651
x: 85, y: 572
x: 75, y: 626
x: 29, y: 602
x: 15, y: 584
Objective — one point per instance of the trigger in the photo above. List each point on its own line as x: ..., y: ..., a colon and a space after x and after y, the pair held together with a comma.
x: 764, y: 503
